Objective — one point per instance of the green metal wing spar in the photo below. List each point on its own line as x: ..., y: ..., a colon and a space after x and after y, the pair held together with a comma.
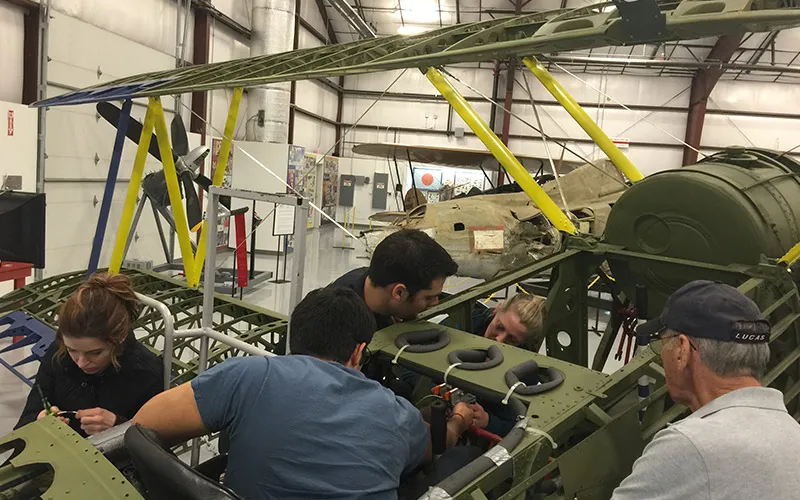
x: 558, y: 30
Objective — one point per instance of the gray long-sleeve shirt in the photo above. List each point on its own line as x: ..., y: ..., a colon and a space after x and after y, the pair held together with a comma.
x: 743, y: 445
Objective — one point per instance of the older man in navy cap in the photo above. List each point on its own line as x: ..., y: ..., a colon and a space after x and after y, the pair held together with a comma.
x: 739, y: 442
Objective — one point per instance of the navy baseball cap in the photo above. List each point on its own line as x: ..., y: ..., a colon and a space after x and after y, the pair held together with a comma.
x: 710, y: 310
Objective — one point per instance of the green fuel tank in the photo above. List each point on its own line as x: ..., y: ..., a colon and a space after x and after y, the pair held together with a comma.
x: 731, y: 207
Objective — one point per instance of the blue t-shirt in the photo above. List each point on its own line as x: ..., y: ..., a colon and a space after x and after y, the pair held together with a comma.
x: 302, y: 428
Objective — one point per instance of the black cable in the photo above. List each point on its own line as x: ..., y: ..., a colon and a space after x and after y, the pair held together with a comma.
x: 485, y: 174
x: 397, y: 169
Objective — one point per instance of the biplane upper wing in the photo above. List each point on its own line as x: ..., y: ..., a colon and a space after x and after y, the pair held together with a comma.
x: 451, y: 157
x: 519, y: 36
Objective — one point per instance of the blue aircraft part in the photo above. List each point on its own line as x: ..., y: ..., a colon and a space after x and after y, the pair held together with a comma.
x: 33, y: 332
x: 108, y: 195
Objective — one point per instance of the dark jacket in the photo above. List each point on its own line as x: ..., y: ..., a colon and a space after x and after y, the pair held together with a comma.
x: 123, y: 392
x: 355, y: 280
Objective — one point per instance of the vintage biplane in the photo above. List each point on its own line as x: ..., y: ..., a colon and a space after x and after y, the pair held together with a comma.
x: 578, y: 429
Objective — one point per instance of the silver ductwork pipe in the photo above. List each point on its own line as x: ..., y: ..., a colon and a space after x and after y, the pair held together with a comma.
x: 272, y: 32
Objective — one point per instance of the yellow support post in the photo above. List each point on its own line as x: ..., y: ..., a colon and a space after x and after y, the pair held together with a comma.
x: 219, y: 176
x: 133, y: 191
x: 501, y: 152
x: 175, y: 201
x: 584, y: 120
x: 791, y: 256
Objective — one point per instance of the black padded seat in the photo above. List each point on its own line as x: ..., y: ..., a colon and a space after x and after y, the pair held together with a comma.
x: 476, y: 359
x: 420, y: 341
x: 536, y: 379
x: 164, y: 476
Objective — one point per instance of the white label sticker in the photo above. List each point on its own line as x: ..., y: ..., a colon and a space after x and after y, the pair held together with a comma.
x: 488, y: 239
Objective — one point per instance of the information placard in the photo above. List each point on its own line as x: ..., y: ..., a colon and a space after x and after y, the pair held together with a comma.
x: 283, y: 221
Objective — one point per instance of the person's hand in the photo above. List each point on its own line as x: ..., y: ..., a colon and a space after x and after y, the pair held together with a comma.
x: 464, y: 413
x: 53, y: 410
x: 96, y: 420
x: 480, y: 417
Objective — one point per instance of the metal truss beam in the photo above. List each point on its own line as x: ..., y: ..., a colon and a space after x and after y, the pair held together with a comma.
x: 323, y: 12
x: 702, y: 85
x: 542, y: 32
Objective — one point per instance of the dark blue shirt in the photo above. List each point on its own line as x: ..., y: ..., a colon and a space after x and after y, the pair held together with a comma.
x: 302, y: 428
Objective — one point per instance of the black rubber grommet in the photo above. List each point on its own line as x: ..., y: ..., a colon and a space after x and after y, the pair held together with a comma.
x: 537, y: 380
x: 476, y: 359
x: 423, y: 340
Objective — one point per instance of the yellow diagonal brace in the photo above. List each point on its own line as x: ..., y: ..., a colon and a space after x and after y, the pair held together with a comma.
x: 584, y: 120
x: 501, y: 152
x: 133, y: 191
x: 171, y: 176
x: 791, y: 256
x: 219, y: 176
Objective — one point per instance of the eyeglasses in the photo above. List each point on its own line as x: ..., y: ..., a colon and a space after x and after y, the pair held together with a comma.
x: 657, y: 343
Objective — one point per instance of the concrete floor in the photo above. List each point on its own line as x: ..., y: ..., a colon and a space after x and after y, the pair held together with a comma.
x: 324, y: 263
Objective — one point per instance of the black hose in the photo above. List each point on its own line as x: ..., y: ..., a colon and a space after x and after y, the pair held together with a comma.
x: 465, y: 475
x: 438, y: 427
x: 420, y: 341
x: 476, y: 359
x: 531, y: 375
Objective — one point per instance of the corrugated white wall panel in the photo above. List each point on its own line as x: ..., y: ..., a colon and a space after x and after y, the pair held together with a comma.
x: 11, y: 41
x: 315, y: 136
x: 150, y: 23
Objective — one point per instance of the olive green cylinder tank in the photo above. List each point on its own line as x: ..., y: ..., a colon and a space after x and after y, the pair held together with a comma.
x: 732, y: 207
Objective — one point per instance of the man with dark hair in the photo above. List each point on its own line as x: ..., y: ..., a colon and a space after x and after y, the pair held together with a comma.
x: 309, y: 425
x: 740, y: 442
x: 405, y: 276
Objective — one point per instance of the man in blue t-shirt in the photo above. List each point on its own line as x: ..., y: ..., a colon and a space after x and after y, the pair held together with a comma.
x: 309, y: 425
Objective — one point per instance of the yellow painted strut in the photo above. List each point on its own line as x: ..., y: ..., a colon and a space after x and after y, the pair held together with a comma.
x: 133, y: 191
x: 791, y: 256
x: 501, y: 152
x: 219, y: 175
x: 584, y: 120
x: 175, y: 201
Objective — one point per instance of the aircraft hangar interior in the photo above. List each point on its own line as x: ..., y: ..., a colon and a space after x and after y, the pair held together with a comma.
x: 400, y: 249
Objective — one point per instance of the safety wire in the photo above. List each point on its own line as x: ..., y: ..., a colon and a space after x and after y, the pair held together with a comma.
x: 283, y: 181
x: 627, y: 108
x: 727, y: 117
x: 355, y: 124
x: 544, y: 142
x: 244, y: 241
x: 524, y: 121
x: 646, y: 115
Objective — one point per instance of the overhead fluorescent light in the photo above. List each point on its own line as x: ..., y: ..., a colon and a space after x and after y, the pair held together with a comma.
x: 417, y: 11
x: 408, y: 29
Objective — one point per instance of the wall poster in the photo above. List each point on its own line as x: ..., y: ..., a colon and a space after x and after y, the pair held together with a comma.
x: 305, y: 179
x: 297, y: 155
x: 330, y: 187
x: 223, y: 223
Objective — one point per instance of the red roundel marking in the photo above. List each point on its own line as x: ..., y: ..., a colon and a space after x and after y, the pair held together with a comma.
x: 427, y: 179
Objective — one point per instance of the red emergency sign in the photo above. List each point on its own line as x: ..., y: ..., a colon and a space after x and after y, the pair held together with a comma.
x: 10, y: 122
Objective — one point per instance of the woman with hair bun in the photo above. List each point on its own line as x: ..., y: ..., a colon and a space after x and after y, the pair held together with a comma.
x: 96, y: 367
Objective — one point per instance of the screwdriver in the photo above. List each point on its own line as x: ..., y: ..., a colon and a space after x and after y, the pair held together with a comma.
x: 45, y: 402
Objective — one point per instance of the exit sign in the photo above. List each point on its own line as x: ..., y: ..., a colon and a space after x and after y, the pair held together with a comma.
x: 10, y: 122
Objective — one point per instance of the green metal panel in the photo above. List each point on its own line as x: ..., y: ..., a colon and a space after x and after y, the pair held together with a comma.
x: 52, y: 458
x: 519, y: 36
